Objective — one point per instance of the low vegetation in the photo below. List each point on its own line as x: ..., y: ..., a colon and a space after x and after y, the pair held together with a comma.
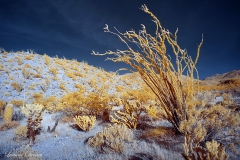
x: 205, y: 129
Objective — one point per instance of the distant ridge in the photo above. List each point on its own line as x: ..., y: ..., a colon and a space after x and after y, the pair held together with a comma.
x: 231, y: 74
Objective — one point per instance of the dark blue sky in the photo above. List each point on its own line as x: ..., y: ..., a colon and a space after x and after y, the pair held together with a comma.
x: 73, y: 28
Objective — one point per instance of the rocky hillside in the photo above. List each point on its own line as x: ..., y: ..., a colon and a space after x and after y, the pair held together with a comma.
x: 231, y: 74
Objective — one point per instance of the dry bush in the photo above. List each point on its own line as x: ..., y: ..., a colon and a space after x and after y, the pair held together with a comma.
x: 53, y: 70
x: 157, y: 71
x: 8, y: 125
x: 19, y: 59
x: 33, y: 114
x: 144, y: 95
x: 63, y: 87
x: 1, y: 67
x: 73, y: 103
x: 37, y: 97
x: 38, y: 70
x: 11, y: 77
x: 8, y: 113
x: 47, y: 59
x: 92, y: 82
x: 17, y: 103
x: 71, y: 75
x: 17, y: 86
x: 130, y: 115
x: 86, y: 123
x: 97, y: 102
x: 78, y: 74
x: 214, y: 122
x: 21, y: 132
x: 29, y: 57
x: 45, y: 84
x: 111, y: 139
x: 52, y: 104
x: 213, y: 151
x: 80, y: 87
x: 26, y: 72
x: 7, y: 94
x: 2, y: 106
x: 120, y: 88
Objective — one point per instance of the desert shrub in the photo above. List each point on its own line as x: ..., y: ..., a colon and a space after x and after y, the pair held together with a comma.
x: 29, y: 57
x: 213, y: 151
x: 175, y: 96
x: 17, y: 103
x: 53, y: 70
x: 8, y: 113
x: 47, y: 59
x: 44, y: 85
x: 63, y: 87
x: 144, y: 95
x: 37, y: 97
x: 71, y: 75
x: 26, y: 71
x: 19, y: 60
x: 21, y: 132
x: 38, y: 70
x: 130, y: 115
x: 8, y: 125
x: 17, y: 86
x: 80, y: 87
x: 212, y: 122
x: 86, y: 123
x: 52, y: 104
x: 111, y: 139
x: 2, y: 106
x: 34, y: 117
x: 97, y: 102
x: 73, y: 103
x: 1, y: 67
x: 154, y: 111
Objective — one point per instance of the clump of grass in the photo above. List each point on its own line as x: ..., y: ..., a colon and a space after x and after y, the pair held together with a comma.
x: 111, y: 139
x: 21, y: 132
x: 2, y: 106
x: 8, y: 113
x: 17, y: 103
x: 17, y: 86
x: 8, y: 125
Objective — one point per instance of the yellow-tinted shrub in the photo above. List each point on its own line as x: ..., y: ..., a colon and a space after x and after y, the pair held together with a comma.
x: 72, y: 102
x: 8, y: 125
x: 112, y: 139
x: 29, y: 57
x: 86, y: 123
x: 71, y: 75
x: 2, y: 106
x: 130, y: 115
x: 47, y: 59
x: 17, y: 103
x: 8, y: 113
x: 18, y: 87
x: 21, y: 132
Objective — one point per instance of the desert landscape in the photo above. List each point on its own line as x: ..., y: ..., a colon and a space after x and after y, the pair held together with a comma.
x: 54, y: 108
x: 29, y: 78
